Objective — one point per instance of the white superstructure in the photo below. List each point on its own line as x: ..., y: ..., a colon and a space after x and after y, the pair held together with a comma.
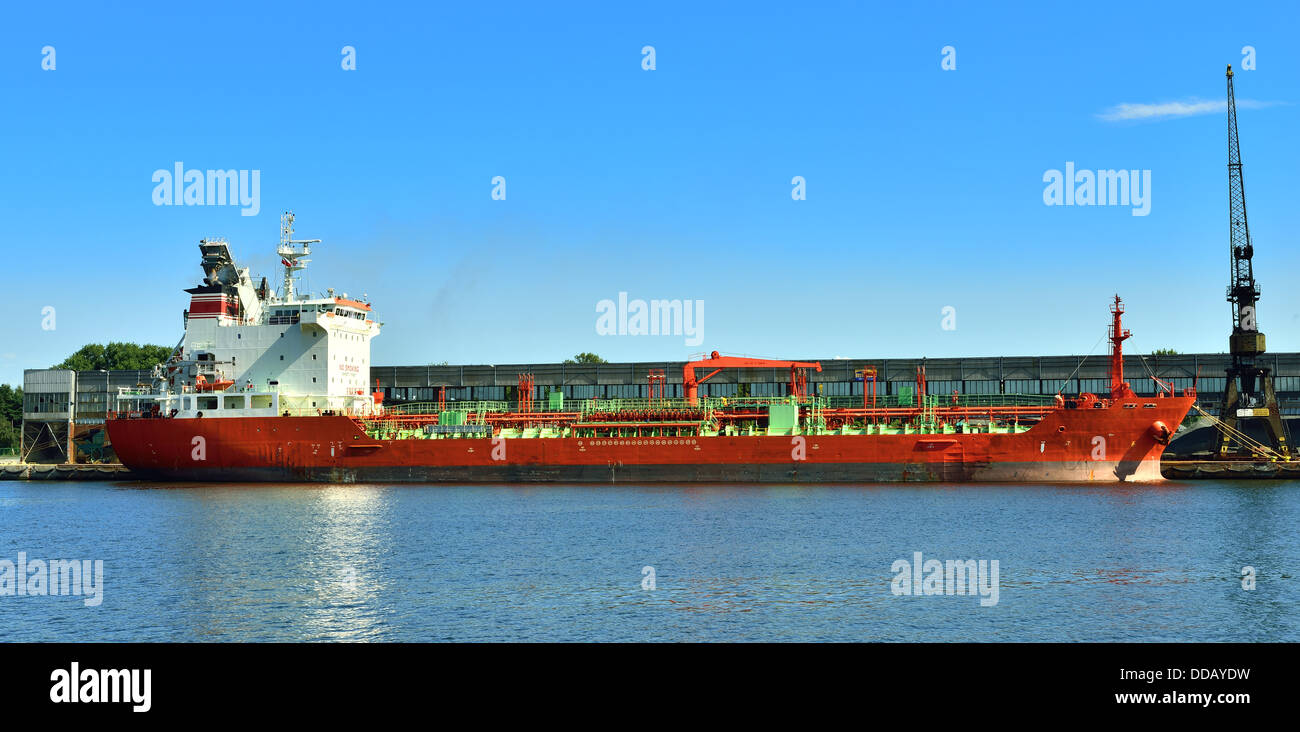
x: 248, y: 351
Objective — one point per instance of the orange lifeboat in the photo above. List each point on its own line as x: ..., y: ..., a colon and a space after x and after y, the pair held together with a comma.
x: 202, y: 384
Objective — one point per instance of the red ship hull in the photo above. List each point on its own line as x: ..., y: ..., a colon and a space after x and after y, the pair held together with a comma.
x: 1121, y: 442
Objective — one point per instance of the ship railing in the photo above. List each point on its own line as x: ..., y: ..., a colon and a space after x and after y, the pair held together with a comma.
x: 997, y: 400
x: 476, y: 407
x: 811, y: 402
x: 630, y: 404
x: 743, y: 402
x: 945, y: 400
x: 608, y: 405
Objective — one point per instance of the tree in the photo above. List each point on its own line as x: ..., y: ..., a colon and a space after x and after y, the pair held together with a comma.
x: 11, y: 403
x: 11, y: 415
x: 115, y: 356
x: 1164, y: 352
x: 585, y: 357
x: 9, y: 435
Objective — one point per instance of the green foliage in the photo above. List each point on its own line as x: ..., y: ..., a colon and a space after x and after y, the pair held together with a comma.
x: 11, y: 403
x: 11, y: 415
x: 1164, y: 352
x: 93, y: 357
x: 585, y: 357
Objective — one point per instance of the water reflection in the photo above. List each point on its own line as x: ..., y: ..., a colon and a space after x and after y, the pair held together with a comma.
x: 374, y: 562
x: 341, y: 561
x: 296, y: 562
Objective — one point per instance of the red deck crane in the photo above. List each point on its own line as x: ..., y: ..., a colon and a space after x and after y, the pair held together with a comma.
x: 691, y: 385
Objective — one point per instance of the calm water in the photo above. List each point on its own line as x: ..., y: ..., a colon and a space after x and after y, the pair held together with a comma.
x: 413, y: 563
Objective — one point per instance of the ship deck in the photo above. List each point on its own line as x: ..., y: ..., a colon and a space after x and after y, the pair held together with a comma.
x: 742, y: 416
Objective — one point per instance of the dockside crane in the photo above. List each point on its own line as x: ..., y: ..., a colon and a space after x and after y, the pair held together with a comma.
x: 1249, y: 388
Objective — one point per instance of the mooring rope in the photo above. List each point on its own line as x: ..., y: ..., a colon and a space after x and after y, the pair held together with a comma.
x: 1242, y: 437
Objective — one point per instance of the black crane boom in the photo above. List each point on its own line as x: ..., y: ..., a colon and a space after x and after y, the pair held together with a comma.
x: 1243, y: 292
x: 1248, y: 391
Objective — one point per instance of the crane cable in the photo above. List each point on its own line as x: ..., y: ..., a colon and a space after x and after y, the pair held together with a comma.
x: 1250, y: 442
x: 1153, y: 376
x: 1081, y: 362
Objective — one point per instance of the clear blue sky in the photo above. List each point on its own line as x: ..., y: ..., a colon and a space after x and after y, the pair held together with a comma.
x: 924, y: 186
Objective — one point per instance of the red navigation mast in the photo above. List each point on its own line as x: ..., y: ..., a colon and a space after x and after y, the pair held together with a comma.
x: 1119, y: 388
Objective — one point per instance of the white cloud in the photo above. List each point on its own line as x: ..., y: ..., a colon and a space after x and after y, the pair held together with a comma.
x: 1169, y: 110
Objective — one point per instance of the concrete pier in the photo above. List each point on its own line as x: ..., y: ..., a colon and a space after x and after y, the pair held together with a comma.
x: 1229, y: 469
x: 24, y: 471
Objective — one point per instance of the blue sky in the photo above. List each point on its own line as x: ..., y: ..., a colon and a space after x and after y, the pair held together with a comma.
x: 924, y: 186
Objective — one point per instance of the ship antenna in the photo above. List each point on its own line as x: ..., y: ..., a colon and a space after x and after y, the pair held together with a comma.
x: 291, y: 255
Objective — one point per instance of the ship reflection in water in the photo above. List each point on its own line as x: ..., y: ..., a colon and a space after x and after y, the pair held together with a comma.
x: 292, y: 562
x: 387, y: 563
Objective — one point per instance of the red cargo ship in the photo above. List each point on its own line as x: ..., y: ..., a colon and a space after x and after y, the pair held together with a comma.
x: 271, y: 386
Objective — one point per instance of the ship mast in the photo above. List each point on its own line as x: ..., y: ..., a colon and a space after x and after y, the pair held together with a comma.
x: 1249, y: 388
x: 291, y: 254
x: 1119, y: 389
